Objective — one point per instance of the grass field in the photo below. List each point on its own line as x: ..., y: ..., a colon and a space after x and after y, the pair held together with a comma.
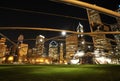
x: 59, y: 72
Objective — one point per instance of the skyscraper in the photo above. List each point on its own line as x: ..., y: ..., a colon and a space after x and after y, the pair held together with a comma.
x: 53, y: 50
x: 100, y: 41
x: 2, y: 48
x: 81, y: 39
x: 22, y: 53
x: 61, y: 53
x: 116, y: 28
x: 71, y: 46
x: 40, y: 45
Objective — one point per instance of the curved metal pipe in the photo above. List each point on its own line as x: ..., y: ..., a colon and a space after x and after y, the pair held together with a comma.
x: 91, y: 6
x: 56, y: 30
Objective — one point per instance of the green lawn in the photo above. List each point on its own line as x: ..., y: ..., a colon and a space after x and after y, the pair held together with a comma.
x: 59, y: 72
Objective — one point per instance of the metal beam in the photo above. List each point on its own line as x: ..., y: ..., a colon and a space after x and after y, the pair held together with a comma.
x: 90, y: 6
x: 56, y: 30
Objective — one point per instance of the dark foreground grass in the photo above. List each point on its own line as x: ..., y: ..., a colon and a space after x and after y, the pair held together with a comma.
x: 59, y: 72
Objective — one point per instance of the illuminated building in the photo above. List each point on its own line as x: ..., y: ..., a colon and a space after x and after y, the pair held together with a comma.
x: 81, y: 40
x: 80, y: 29
x: 2, y: 49
x: 20, y: 39
x: 102, y: 46
x: 116, y: 50
x: 40, y: 45
x: 23, y: 48
x: 100, y: 41
x: 71, y: 46
x: 80, y: 52
x: 61, y: 54
x: 19, y: 51
x: 22, y: 53
x: 53, y: 50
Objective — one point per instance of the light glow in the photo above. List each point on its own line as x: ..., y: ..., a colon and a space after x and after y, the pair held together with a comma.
x: 63, y: 33
x: 10, y: 58
x: 3, y: 59
x: 103, y: 60
x: 76, y: 57
x: 74, y: 61
x: 79, y: 54
x: 47, y: 61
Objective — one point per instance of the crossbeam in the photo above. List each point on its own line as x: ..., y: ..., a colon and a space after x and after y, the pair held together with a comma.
x: 79, y: 3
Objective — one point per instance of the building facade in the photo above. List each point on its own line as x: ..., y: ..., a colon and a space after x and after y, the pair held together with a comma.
x: 40, y: 45
x: 116, y: 49
x: 53, y: 50
x: 101, y: 43
x: 22, y: 53
x: 61, y: 54
x: 71, y: 46
x: 3, y: 48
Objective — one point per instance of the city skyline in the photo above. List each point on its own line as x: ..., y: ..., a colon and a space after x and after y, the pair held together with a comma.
x: 10, y: 16
x: 59, y: 40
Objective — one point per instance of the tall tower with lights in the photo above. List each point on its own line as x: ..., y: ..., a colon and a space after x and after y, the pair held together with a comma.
x: 116, y: 27
x: 40, y: 45
x: 81, y: 40
x: 20, y: 39
x: 22, y: 49
x: 101, y: 43
x: 53, y: 50
x: 3, y: 47
x: 61, y: 53
x: 71, y: 46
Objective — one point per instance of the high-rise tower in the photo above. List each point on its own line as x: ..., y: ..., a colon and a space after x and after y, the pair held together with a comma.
x: 20, y: 39
x: 100, y: 40
x: 3, y: 47
x: 40, y: 45
x: 22, y: 50
x: 81, y: 39
x: 71, y: 46
x: 116, y: 27
x: 61, y: 53
x: 53, y: 50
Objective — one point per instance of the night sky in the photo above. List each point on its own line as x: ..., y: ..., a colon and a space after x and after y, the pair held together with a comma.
x: 34, y: 16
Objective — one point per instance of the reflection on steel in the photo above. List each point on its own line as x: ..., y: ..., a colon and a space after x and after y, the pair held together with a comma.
x: 55, y: 30
x: 91, y: 6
